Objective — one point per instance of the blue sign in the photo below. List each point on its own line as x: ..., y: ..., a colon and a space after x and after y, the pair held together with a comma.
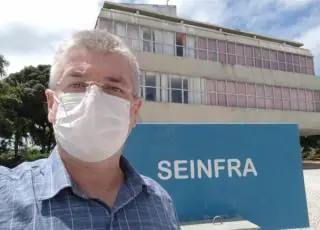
x: 252, y: 171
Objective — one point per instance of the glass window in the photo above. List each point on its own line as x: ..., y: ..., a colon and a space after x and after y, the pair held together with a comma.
x: 133, y: 37
x: 257, y: 52
x: 158, y: 41
x: 241, y: 88
x: 310, y: 62
x: 231, y: 87
x: 277, y: 92
x: 260, y: 90
x: 150, y: 88
x: 268, y: 91
x: 231, y: 59
x: 231, y: 48
x: 147, y: 38
x: 273, y: 55
x: 169, y: 42
x: 202, y: 48
x: 222, y: 99
x: 212, y: 45
x: 302, y: 95
x: 289, y: 58
x: 260, y: 103
x: 222, y: 46
x: 277, y: 103
x: 249, y: 51
x: 221, y: 86
x: 240, y: 54
x: 242, y: 101
x: 286, y: 105
x: 251, y: 102
x: 265, y: 54
x: 105, y: 25
x: 191, y: 46
x: 296, y: 59
x: 175, y: 89
x: 251, y: 90
x: 120, y: 29
x: 281, y: 57
x: 285, y: 92
x: 232, y: 100
x: 269, y: 103
x: 211, y: 85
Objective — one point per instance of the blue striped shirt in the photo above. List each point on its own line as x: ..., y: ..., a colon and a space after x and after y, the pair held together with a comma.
x: 41, y: 195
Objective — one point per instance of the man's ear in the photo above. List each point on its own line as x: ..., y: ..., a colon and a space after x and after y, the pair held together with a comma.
x: 51, y: 105
x: 135, y: 111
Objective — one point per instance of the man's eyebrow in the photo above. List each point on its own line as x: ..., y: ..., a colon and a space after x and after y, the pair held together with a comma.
x: 115, y: 79
x: 74, y: 73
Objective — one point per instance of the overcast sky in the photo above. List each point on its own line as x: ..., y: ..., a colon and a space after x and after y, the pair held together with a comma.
x: 31, y: 29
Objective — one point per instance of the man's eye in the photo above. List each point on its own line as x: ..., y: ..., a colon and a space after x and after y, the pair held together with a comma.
x: 77, y: 85
x: 116, y: 89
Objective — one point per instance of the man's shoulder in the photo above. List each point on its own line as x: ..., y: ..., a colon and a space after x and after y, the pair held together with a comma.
x: 17, y: 173
x: 156, y: 189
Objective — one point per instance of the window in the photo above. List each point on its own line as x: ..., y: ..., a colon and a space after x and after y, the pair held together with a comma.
x: 180, y: 44
x: 222, y: 52
x: 303, y: 64
x: 211, y: 92
x: 133, y: 37
x: 231, y: 94
x: 221, y: 89
x: 266, y: 59
x: 191, y: 46
x: 168, y: 43
x: 105, y: 25
x: 240, y: 54
x: 257, y: 57
x: 178, y: 89
x: 249, y: 55
x: 231, y: 49
x: 296, y: 63
x: 212, y: 50
x: 120, y: 29
x: 281, y: 61
x: 147, y: 40
x: 294, y: 99
x: 310, y: 65
x: 241, y: 95
x: 195, y: 90
x: 150, y: 87
x: 289, y: 62
x: 202, y: 48
x: 273, y: 60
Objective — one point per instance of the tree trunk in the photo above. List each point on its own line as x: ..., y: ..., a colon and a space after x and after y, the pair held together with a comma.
x: 16, y: 145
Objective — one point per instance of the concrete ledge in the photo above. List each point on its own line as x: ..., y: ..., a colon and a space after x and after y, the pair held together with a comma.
x: 226, y: 225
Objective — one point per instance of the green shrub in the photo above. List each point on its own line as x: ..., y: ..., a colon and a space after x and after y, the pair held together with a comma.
x: 8, y: 159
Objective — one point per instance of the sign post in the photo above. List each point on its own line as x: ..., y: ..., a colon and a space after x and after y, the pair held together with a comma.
x: 252, y: 171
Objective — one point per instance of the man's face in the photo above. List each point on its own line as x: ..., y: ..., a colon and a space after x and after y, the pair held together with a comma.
x: 110, y: 69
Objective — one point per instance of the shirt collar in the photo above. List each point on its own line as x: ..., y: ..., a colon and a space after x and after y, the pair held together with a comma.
x: 54, y: 177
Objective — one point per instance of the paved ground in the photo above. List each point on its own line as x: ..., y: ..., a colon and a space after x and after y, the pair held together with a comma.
x: 312, y: 184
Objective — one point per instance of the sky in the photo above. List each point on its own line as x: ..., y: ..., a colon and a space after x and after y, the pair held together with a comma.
x: 31, y: 30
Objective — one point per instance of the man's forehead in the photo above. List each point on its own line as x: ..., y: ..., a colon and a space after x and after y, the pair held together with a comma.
x: 87, y: 63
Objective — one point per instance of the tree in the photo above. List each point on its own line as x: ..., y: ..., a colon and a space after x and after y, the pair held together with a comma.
x: 3, y: 64
x: 28, y: 116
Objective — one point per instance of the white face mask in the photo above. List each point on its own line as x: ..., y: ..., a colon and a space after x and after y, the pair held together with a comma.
x: 92, y: 126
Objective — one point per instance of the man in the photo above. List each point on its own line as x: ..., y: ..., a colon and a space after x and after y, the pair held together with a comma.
x: 86, y: 183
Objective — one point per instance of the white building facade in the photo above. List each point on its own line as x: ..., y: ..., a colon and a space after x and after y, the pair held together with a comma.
x: 194, y: 72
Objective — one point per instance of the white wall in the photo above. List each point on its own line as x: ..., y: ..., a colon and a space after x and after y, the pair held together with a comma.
x: 153, y: 112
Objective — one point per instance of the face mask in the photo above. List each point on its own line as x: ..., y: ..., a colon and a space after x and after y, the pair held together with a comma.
x: 92, y: 126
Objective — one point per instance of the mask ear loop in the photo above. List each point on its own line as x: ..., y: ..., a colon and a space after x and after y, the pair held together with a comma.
x: 60, y: 103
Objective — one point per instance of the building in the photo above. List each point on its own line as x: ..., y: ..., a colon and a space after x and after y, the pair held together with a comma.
x: 197, y: 72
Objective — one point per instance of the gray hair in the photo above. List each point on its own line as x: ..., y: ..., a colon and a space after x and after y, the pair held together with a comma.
x: 97, y: 40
